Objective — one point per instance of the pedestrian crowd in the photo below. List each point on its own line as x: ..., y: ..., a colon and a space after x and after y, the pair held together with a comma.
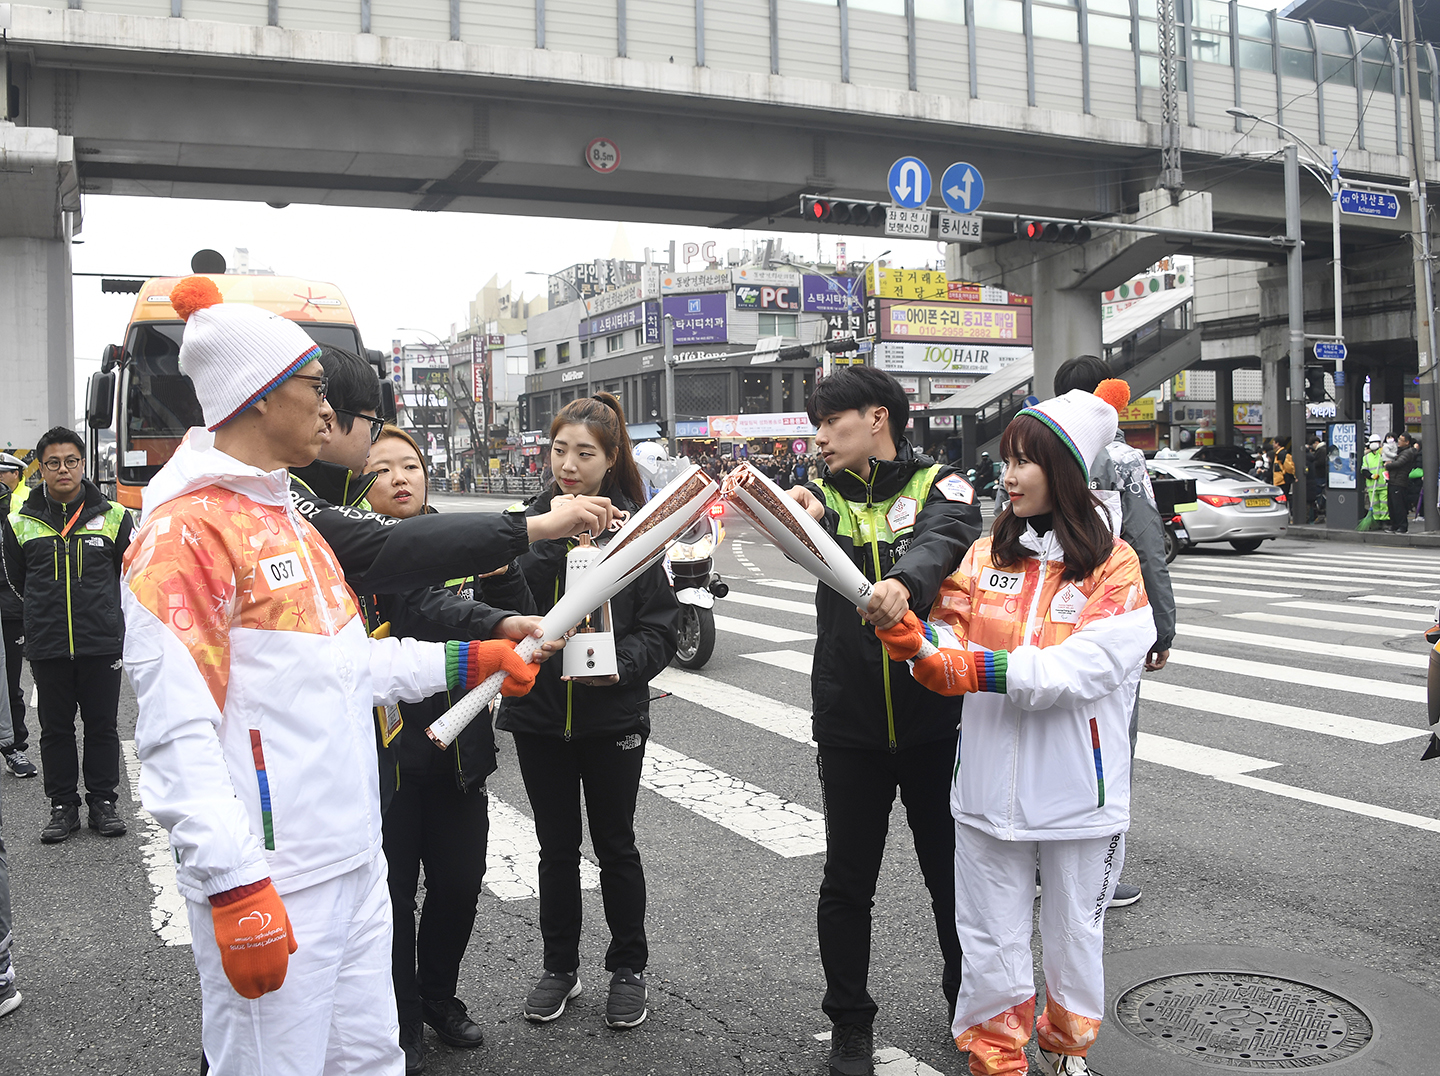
x: 293, y: 615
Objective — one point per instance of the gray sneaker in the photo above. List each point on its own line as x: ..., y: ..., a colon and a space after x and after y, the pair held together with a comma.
x: 1125, y: 895
x: 625, y: 1007
x: 9, y: 998
x: 547, y: 1000
x: 19, y: 765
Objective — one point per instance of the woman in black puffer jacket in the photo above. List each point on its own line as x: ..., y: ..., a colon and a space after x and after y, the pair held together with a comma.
x: 591, y: 731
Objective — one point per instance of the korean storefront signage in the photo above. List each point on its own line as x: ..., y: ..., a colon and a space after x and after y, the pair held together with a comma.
x: 774, y: 424
x: 686, y: 283
x: 644, y: 315
x: 766, y: 297
x: 946, y: 358
x: 827, y: 296
x: 941, y: 322
x: 699, y: 319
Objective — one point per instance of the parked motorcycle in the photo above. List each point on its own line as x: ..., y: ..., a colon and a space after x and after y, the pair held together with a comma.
x: 690, y: 564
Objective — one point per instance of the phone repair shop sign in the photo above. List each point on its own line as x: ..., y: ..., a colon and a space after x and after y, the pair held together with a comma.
x: 945, y: 322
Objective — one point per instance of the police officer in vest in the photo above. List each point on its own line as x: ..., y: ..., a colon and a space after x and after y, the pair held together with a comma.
x: 64, y: 544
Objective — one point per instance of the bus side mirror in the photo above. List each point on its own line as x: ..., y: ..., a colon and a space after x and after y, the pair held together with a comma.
x: 387, y: 400
x: 110, y: 357
x: 376, y: 358
x: 100, y: 401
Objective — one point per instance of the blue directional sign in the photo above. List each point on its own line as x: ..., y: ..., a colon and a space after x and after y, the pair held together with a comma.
x: 962, y: 188
x: 909, y: 182
x: 1329, y: 350
x: 1369, y: 203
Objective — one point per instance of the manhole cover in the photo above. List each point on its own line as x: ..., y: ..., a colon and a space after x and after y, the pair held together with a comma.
x: 1239, y: 1020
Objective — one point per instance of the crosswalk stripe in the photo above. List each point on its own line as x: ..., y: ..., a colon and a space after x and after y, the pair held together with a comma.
x: 765, y: 601
x: 1385, y: 599
x: 1244, y: 592
x: 1366, y: 654
x: 1287, y: 674
x: 785, y: 584
x: 1350, y: 610
x: 1181, y: 599
x: 1282, y: 575
x: 1186, y: 575
x: 790, y: 660
x: 756, y: 630
x: 1339, y: 803
x: 1300, y: 718
x: 1407, y: 560
x: 1389, y: 631
x: 735, y: 702
x: 1196, y: 758
x: 893, y: 1061
x: 168, y: 916
x: 785, y: 828
x: 512, y: 855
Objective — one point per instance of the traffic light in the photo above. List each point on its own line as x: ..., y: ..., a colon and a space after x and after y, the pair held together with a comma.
x: 841, y: 346
x: 794, y: 351
x: 842, y: 211
x: 663, y: 426
x: 1314, y: 383
x: 1050, y: 232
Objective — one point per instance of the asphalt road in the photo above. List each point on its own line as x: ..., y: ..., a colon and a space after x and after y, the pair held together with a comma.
x: 1279, y: 803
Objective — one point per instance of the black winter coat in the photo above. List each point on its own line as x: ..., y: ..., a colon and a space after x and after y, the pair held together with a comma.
x: 862, y: 698
x: 71, y: 584
x: 646, y: 620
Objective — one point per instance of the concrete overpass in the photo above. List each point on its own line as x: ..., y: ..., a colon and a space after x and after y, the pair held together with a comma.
x: 724, y: 114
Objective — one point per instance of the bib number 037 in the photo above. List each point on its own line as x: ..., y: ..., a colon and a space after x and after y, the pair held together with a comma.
x: 1002, y: 582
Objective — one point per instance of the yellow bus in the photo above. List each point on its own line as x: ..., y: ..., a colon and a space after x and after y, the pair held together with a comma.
x: 141, y: 391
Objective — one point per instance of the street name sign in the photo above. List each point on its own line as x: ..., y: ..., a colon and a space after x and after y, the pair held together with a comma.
x: 962, y: 187
x: 959, y: 228
x: 908, y: 183
x: 1330, y: 350
x: 1369, y: 203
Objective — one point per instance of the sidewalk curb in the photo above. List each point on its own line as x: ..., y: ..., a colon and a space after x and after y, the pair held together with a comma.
x: 1412, y: 539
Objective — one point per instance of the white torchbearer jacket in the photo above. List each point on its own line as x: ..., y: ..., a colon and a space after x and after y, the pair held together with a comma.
x: 256, y: 681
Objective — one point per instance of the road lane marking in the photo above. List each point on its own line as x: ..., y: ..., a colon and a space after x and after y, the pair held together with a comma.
x: 512, y: 855
x: 1300, y: 718
x: 785, y: 828
x: 1348, y: 610
x: 755, y: 630
x: 1339, y: 803
x: 1385, y: 599
x: 893, y: 1061
x: 735, y: 702
x: 764, y: 601
x: 741, y: 557
x: 1369, y: 655
x: 1196, y: 758
x: 1288, y: 674
x: 1243, y: 592
x: 1390, y: 631
x: 168, y: 916
x: 791, y: 660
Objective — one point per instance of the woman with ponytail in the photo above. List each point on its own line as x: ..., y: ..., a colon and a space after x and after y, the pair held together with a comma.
x: 591, y: 731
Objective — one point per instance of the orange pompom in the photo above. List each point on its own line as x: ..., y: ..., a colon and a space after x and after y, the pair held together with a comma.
x: 194, y: 293
x: 1114, y: 392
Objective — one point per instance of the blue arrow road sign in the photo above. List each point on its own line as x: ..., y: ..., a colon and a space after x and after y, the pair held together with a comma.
x: 962, y: 188
x: 1326, y: 350
x: 1369, y: 203
x: 909, y: 182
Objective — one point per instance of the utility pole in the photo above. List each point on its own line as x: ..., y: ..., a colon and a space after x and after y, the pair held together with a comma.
x: 1295, y: 282
x: 1424, y: 286
x: 1170, y: 175
x: 668, y: 328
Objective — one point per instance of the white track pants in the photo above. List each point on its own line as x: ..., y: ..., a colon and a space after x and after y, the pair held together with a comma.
x: 994, y: 915
x: 336, y: 1012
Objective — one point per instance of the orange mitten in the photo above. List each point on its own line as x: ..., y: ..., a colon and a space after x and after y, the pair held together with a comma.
x: 958, y: 672
x: 255, y: 938
x: 902, y: 641
x: 468, y: 665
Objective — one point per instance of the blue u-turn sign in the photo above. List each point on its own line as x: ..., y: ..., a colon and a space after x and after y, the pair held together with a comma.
x: 909, y: 182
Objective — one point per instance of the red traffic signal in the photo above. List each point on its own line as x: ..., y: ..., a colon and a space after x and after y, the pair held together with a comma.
x: 1051, y: 232
x: 823, y: 210
x: 815, y: 209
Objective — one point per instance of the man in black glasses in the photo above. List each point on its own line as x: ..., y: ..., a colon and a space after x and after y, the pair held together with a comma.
x: 63, y: 545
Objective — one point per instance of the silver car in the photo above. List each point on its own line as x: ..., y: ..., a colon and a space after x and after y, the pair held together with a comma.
x: 1231, y: 506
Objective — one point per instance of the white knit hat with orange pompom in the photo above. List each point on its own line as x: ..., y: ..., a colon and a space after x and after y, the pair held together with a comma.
x: 234, y: 353
x: 1084, y: 421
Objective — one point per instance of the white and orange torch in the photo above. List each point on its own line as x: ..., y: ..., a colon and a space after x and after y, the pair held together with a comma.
x: 644, y: 537
x: 791, y: 528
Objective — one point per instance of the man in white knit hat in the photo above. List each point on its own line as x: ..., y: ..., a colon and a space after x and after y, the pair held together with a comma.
x: 256, y: 683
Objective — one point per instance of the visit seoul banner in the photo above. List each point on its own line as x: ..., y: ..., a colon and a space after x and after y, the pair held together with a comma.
x: 941, y: 322
x: 699, y: 319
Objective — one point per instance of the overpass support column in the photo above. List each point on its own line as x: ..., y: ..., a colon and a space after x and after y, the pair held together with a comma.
x: 1066, y: 320
x: 1225, y: 405
x: 41, y: 204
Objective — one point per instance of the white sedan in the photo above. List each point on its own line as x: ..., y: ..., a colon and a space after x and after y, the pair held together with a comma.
x: 1232, y: 506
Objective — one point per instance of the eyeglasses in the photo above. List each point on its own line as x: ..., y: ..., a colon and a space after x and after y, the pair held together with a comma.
x: 377, y: 425
x: 71, y: 464
x: 321, y: 383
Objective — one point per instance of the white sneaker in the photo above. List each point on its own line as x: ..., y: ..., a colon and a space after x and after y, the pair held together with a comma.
x: 1064, y: 1064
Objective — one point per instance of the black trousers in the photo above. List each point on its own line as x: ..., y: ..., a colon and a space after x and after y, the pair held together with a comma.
x: 609, y: 769
x: 93, y: 685
x: 859, y: 788
x: 431, y: 822
x: 1400, y: 503
x: 13, y: 631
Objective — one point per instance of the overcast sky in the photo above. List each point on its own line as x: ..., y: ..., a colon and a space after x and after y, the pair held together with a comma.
x: 396, y: 267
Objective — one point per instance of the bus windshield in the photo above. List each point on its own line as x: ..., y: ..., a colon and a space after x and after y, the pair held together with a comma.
x: 158, y: 401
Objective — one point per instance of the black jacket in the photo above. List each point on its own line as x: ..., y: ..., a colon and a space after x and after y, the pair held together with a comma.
x: 12, y: 605
x: 381, y: 554
x: 861, y: 698
x: 646, y: 620
x: 71, y: 584
x: 1405, y: 461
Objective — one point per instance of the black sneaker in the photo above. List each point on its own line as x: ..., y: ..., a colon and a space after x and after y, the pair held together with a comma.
x: 625, y: 1007
x: 412, y: 1044
x: 9, y: 998
x: 1124, y: 895
x: 452, y: 1023
x: 20, y: 766
x: 104, y: 820
x: 547, y: 1000
x: 63, y: 822
x: 852, y: 1050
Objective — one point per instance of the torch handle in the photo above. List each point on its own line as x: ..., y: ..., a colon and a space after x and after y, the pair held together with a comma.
x: 454, y: 720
